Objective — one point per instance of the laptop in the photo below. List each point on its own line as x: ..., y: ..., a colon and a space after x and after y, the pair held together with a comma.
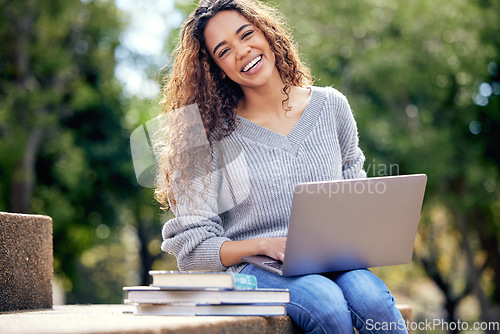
x: 350, y: 224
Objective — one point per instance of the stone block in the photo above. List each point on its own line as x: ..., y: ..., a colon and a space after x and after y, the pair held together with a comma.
x: 25, y: 262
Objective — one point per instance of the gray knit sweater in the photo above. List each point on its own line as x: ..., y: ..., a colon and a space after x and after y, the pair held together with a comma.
x: 251, y: 184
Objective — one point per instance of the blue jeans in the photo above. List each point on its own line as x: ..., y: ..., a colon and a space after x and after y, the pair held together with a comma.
x: 335, y: 302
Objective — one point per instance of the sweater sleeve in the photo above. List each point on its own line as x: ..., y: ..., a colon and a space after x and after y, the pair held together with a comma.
x: 196, y: 233
x: 347, y: 131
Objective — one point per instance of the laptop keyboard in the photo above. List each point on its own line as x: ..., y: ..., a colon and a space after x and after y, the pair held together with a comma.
x: 274, y: 264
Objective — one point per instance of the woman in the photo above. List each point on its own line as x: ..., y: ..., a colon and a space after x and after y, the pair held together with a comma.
x: 244, y: 126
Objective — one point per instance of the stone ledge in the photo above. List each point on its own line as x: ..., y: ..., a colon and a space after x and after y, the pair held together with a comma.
x: 119, y: 319
x: 101, y: 319
x: 25, y: 261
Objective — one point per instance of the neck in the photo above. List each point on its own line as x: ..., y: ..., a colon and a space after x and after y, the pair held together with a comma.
x: 263, y: 100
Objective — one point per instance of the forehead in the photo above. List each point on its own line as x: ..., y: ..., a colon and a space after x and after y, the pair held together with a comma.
x: 222, y: 26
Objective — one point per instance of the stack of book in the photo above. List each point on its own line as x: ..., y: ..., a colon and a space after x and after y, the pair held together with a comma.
x: 205, y: 293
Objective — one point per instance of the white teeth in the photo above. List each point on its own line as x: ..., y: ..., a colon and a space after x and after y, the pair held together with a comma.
x: 252, y: 63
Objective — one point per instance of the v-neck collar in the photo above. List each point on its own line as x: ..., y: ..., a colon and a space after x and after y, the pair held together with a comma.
x: 299, y: 132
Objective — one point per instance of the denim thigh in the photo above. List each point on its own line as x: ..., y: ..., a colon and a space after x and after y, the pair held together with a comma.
x: 334, y: 302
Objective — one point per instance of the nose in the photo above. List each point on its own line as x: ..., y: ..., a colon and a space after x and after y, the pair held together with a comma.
x: 243, y: 50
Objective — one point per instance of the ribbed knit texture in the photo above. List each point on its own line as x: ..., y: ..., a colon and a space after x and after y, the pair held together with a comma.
x: 250, y: 193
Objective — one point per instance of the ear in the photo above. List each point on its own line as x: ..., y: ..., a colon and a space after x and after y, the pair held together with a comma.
x: 223, y: 74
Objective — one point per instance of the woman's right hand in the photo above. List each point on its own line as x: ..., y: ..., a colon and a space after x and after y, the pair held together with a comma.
x: 274, y: 247
x: 231, y: 252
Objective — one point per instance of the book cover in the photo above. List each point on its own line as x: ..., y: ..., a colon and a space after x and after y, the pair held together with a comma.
x: 157, y: 295
x: 209, y: 310
x: 202, y: 280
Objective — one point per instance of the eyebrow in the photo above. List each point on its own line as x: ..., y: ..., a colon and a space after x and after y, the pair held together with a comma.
x: 224, y: 42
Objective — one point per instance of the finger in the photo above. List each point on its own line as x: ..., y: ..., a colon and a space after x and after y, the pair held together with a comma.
x: 281, y: 256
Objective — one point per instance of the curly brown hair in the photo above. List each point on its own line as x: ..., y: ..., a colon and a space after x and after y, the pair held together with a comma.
x: 196, y: 79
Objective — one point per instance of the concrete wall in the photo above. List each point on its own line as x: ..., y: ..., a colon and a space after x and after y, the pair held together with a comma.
x: 25, y: 262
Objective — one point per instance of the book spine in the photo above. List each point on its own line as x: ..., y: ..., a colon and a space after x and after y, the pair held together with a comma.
x: 244, y: 281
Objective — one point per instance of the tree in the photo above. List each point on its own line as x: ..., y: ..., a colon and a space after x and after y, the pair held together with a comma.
x: 64, y: 148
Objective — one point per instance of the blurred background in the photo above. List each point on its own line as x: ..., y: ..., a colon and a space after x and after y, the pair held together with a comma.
x: 422, y: 76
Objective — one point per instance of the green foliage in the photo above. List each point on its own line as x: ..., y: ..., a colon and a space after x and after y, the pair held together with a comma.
x: 64, y: 146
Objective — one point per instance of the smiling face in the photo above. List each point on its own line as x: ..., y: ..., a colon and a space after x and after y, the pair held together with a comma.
x: 240, y: 49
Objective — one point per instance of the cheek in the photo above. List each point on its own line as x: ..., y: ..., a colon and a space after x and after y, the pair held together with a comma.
x: 272, y: 55
x: 226, y: 65
x: 269, y: 49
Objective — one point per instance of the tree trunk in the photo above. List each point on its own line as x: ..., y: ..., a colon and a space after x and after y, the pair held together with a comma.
x: 146, y: 258
x: 24, y: 178
x: 489, y: 313
x: 18, y: 36
x: 489, y: 243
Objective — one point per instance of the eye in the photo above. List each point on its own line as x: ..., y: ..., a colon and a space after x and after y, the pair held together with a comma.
x: 247, y: 34
x: 223, y: 52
